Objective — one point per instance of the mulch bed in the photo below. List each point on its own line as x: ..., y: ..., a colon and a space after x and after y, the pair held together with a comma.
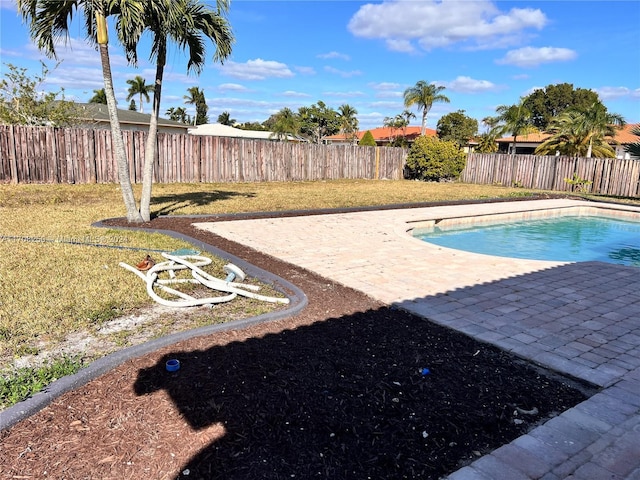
x: 348, y: 388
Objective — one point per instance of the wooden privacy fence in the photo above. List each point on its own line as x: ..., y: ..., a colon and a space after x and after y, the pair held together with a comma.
x: 608, y: 176
x: 80, y: 155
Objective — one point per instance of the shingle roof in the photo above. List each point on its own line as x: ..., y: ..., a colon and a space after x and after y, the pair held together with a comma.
x: 97, y: 112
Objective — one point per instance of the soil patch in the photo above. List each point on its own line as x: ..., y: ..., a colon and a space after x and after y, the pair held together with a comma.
x: 348, y: 388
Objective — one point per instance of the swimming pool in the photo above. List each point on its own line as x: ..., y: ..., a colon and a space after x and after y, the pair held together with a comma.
x: 570, y: 236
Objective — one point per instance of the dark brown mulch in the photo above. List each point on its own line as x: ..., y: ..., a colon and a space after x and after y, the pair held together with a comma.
x: 339, y: 391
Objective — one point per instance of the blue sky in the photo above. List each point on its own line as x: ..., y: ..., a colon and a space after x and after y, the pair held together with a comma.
x: 295, y: 53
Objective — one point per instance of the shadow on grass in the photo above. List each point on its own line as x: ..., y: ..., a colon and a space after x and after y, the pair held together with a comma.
x: 174, y: 202
x: 349, y: 398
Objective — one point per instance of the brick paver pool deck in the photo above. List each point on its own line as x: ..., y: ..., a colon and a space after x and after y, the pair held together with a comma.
x: 579, y: 319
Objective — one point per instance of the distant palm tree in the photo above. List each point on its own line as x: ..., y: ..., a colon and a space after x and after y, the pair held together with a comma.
x: 348, y: 121
x: 599, y: 123
x: 178, y: 114
x: 138, y: 86
x: 196, y: 97
x: 514, y: 119
x: 99, y: 97
x: 225, y: 119
x: 286, y: 123
x: 634, y: 148
x: 424, y: 95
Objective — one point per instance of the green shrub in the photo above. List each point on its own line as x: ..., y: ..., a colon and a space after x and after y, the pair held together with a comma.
x: 367, y: 140
x: 434, y: 160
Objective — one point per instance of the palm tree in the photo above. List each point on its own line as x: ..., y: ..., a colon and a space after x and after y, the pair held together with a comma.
x: 286, y: 123
x: 599, y: 123
x: 581, y: 133
x: 138, y: 86
x: 348, y: 121
x: 99, y: 97
x: 185, y: 22
x: 49, y: 20
x: 424, y: 95
x: 514, y: 119
x: 196, y: 97
x: 225, y: 119
x: 634, y: 148
x: 178, y: 114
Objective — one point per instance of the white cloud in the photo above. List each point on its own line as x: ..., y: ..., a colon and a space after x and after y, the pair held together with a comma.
x: 384, y: 86
x: 532, y: 57
x: 343, y: 73
x: 636, y: 93
x: 332, y: 55
x: 232, y: 87
x: 611, y: 93
x: 436, y: 24
x: 257, y: 69
x: 305, y: 70
x: 469, y: 85
x: 293, y: 94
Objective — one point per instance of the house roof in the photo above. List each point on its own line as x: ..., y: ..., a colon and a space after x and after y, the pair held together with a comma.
x: 382, y: 134
x: 220, y: 130
x: 623, y: 136
x: 97, y: 112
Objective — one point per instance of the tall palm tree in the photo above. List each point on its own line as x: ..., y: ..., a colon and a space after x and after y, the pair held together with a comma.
x: 185, y: 23
x: 99, y: 97
x: 514, y: 119
x: 286, y: 123
x: 348, y: 121
x: 49, y: 20
x: 138, y: 86
x: 196, y: 97
x: 424, y: 95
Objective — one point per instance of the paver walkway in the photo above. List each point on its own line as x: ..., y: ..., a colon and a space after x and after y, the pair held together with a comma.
x: 579, y: 319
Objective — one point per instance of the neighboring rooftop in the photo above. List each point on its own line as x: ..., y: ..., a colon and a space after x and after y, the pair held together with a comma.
x: 220, y: 130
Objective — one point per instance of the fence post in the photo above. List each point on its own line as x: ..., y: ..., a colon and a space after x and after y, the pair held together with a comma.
x: 13, y: 161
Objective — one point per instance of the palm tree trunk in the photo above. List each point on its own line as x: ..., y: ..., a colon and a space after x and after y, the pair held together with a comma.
x: 423, y: 129
x: 133, y: 215
x: 151, y: 146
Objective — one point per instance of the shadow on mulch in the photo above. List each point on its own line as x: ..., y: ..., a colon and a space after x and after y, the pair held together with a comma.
x: 349, y: 398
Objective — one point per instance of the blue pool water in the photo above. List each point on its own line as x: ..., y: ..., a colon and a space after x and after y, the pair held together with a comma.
x: 562, y: 239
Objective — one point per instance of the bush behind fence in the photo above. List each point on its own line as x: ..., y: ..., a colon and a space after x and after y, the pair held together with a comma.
x: 80, y: 155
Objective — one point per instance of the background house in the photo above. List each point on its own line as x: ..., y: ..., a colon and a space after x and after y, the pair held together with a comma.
x: 96, y: 115
x: 220, y: 130
x: 526, y: 144
x: 383, y: 136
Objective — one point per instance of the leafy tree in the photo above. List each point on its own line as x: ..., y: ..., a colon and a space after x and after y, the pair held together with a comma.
x: 348, y: 121
x: 99, y: 97
x: 582, y: 133
x: 318, y: 121
x: 186, y: 23
x: 285, y: 123
x: 457, y: 127
x: 21, y: 102
x: 49, y: 20
x: 367, y: 140
x: 634, y: 148
x: 132, y: 105
x: 514, y: 119
x: 196, y: 97
x: 225, y: 119
x: 432, y: 159
x: 424, y: 95
x: 549, y: 102
x: 138, y: 86
x: 179, y: 114
x: 255, y: 126
x: 487, y: 143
